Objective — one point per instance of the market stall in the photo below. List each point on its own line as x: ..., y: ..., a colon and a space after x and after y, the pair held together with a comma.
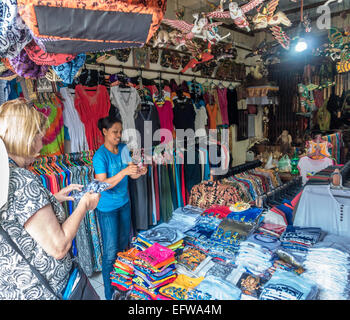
x: 243, y: 131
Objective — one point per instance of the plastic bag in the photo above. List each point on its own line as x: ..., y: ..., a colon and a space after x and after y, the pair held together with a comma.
x: 284, y: 164
x: 269, y: 163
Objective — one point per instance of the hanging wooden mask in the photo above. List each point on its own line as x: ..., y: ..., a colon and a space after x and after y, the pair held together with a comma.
x: 154, y: 55
x: 165, y: 58
x: 123, y: 54
x: 175, y: 61
x: 141, y: 57
x: 185, y: 60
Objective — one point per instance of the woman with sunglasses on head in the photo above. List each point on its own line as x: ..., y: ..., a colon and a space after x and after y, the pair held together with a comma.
x: 32, y: 216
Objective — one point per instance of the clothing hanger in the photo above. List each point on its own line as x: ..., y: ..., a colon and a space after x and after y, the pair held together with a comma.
x: 160, y: 97
x: 230, y: 86
x: 220, y: 85
x: 122, y: 78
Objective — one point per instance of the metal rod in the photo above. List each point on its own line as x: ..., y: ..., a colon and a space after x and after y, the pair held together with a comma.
x: 157, y: 71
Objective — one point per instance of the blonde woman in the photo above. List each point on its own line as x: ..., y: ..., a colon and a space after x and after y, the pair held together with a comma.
x: 33, y: 217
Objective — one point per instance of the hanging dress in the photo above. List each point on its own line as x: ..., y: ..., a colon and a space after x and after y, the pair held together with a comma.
x: 92, y: 103
x: 127, y: 100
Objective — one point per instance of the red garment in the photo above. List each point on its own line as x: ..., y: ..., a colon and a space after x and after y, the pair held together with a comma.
x: 220, y: 212
x: 166, y: 117
x: 92, y: 103
x: 54, y: 188
x: 296, y: 199
x: 156, y: 189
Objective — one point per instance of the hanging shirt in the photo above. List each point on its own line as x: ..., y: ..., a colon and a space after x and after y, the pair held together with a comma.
x: 104, y: 161
x: 72, y: 121
x: 127, y: 100
x: 222, y: 95
x: 200, y: 121
x: 147, y: 122
x: 232, y: 106
x: 212, y: 113
x: 166, y: 116
x: 184, y: 114
x: 53, y: 141
x: 92, y: 103
x: 320, y: 207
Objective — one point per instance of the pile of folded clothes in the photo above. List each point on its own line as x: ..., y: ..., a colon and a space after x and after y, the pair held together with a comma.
x: 201, y: 232
x: 285, y: 285
x: 140, y: 242
x: 256, y: 254
x: 219, y: 289
x: 183, y: 288
x: 165, y: 234
x: 123, y: 273
x: 153, y: 268
x: 298, y: 240
x: 235, y: 228
x: 328, y: 264
x: 189, y: 261
x: 184, y: 218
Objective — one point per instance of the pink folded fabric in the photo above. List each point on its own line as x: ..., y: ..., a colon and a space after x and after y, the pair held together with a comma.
x: 156, y: 254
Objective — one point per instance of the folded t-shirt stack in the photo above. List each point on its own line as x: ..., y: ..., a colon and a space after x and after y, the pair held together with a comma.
x: 219, y: 289
x: 164, y: 234
x: 256, y: 253
x: 299, y: 240
x: 183, y: 288
x: 328, y: 264
x: 123, y: 273
x: 285, y: 285
x: 184, y: 218
x: 154, y: 267
x: 231, y: 231
x: 140, y: 242
x: 201, y: 232
x: 189, y: 260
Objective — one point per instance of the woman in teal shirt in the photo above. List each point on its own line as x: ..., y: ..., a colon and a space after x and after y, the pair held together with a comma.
x: 113, y: 164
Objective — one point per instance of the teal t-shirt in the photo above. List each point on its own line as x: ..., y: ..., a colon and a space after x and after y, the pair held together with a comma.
x: 105, y: 161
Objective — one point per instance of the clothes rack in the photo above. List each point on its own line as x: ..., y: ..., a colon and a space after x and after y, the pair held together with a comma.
x: 240, y: 168
x: 104, y: 65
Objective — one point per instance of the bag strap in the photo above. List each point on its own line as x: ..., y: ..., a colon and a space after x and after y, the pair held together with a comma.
x: 34, y: 270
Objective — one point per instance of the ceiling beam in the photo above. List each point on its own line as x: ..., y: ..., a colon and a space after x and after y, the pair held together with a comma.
x: 308, y: 7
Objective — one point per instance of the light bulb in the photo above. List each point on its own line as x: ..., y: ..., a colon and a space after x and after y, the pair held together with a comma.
x: 301, y: 46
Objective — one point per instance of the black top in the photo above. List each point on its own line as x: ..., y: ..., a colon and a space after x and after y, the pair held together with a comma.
x: 148, y: 112
x: 232, y: 107
x: 184, y: 114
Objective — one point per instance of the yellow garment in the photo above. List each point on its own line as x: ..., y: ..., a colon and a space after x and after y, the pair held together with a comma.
x: 178, y: 289
x: 176, y: 245
x: 187, y: 282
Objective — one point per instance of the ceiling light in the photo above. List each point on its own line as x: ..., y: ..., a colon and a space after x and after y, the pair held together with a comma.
x: 301, y: 45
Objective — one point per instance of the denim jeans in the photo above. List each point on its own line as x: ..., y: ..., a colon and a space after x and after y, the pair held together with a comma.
x: 115, y: 229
